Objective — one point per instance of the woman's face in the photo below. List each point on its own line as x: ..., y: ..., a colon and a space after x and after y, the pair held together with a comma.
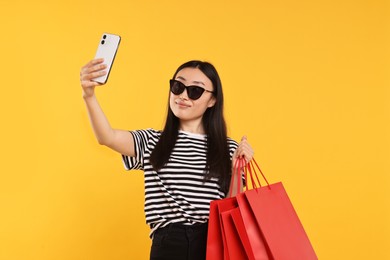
x: 185, y: 108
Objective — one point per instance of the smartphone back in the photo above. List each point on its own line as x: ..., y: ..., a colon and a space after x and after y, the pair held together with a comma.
x: 107, y: 49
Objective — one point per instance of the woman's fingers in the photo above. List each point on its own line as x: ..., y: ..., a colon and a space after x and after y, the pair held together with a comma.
x: 244, y: 150
x: 91, y: 70
x: 93, y: 62
x: 88, y: 84
x: 92, y: 75
x: 92, y: 66
x: 95, y: 68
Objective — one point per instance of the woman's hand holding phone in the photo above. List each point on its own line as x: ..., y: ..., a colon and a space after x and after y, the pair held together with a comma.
x: 93, y: 69
x: 96, y: 72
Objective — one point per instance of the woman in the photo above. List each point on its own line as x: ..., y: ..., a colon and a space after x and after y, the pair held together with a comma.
x: 186, y: 165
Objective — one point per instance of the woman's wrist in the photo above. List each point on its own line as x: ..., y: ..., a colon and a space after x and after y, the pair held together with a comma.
x: 88, y: 96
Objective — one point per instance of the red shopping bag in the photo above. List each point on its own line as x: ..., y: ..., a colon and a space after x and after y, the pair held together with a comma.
x: 216, y: 235
x: 228, y: 236
x: 283, y: 234
x: 249, y: 230
x: 257, y: 224
x: 243, y: 235
x: 232, y: 240
x: 216, y: 238
x: 246, y: 223
x: 282, y: 230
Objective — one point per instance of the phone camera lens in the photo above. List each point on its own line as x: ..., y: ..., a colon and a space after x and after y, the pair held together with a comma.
x: 102, y: 41
x: 104, y: 36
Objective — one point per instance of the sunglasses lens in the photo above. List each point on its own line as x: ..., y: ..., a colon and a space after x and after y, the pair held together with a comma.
x: 195, y: 92
x: 177, y: 87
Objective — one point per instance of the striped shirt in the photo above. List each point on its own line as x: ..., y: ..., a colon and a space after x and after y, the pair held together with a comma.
x: 177, y: 193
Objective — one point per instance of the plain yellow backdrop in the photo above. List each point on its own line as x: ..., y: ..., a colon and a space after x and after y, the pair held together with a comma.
x: 306, y: 81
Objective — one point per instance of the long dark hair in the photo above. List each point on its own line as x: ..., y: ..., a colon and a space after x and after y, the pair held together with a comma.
x: 218, y: 159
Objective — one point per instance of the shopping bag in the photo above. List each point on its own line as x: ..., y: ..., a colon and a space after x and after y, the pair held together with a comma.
x: 249, y: 230
x: 227, y: 236
x: 233, y: 245
x: 244, y: 248
x: 257, y: 224
x: 216, y: 234
x: 216, y: 238
x: 246, y: 224
x: 283, y: 234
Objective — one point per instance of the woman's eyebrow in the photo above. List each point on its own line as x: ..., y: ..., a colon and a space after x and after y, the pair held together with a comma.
x: 180, y: 77
x: 196, y: 82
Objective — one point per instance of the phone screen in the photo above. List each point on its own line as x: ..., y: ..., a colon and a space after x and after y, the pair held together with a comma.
x: 107, y: 49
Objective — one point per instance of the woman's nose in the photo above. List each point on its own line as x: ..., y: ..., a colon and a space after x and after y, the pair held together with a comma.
x: 184, y: 94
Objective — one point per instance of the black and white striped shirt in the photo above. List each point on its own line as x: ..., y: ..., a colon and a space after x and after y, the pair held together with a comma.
x: 178, y: 193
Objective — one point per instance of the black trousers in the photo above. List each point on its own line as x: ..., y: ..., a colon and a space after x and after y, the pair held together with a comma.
x: 179, y: 242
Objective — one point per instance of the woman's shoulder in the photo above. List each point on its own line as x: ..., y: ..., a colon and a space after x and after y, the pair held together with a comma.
x: 153, y: 131
x: 232, y: 143
x: 148, y: 132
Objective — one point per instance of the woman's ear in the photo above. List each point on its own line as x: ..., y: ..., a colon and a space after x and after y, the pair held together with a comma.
x: 212, y: 102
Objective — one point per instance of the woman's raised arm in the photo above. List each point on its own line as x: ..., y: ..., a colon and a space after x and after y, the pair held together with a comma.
x: 118, y: 140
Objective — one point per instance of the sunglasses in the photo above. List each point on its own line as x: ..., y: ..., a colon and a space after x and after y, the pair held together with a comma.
x: 193, y: 92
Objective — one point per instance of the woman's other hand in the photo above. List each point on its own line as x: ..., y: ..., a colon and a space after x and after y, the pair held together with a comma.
x: 244, y: 150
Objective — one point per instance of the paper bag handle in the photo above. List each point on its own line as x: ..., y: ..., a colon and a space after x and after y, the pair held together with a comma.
x: 252, y: 172
x: 241, y: 165
x: 237, y: 169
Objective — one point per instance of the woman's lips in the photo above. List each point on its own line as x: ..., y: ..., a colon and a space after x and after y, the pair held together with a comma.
x: 182, y: 104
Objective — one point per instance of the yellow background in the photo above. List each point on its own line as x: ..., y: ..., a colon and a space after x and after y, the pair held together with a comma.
x: 306, y: 81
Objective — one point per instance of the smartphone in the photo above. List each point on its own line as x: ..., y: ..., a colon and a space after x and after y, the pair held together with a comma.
x: 107, y: 49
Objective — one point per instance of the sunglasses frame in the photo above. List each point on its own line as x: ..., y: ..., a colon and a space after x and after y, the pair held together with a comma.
x: 188, y: 88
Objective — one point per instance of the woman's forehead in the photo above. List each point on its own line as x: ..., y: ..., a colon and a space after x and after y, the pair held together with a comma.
x: 193, y: 75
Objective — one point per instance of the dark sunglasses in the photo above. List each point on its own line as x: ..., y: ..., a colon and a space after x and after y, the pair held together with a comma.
x: 193, y: 92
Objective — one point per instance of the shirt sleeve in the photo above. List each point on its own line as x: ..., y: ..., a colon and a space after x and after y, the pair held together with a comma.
x: 141, y: 139
x: 232, y: 147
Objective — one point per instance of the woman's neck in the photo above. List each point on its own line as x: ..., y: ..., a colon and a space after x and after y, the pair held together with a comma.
x: 192, y: 127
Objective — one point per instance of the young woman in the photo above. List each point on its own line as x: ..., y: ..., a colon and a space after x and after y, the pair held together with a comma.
x: 186, y: 165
